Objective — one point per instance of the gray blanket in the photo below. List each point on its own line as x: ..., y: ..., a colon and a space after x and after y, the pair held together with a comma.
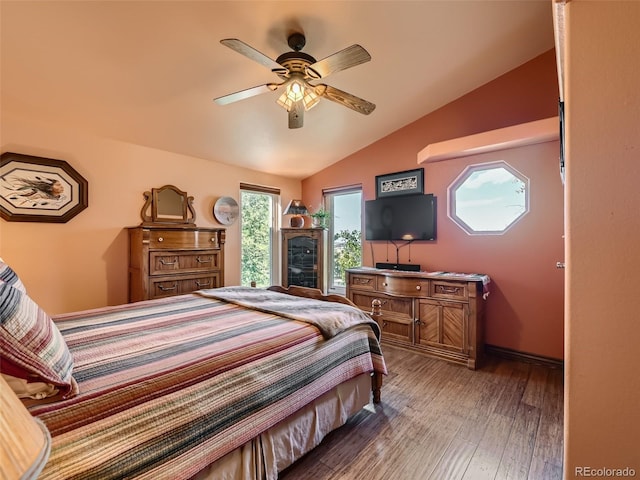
x: 330, y: 318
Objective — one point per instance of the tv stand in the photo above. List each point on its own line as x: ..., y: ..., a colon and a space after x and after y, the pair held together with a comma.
x: 437, y: 314
x: 403, y: 267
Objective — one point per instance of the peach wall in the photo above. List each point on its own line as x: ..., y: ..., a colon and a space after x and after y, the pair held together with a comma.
x: 83, y: 263
x: 602, y: 396
x: 525, y: 309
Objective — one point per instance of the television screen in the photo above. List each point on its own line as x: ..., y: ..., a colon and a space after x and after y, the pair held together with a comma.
x: 408, y: 217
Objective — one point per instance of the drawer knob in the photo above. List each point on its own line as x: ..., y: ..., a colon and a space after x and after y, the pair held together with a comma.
x: 205, y: 260
x: 165, y: 262
x: 418, y: 287
x: 166, y: 289
x: 203, y: 284
x: 160, y: 239
x: 385, y: 284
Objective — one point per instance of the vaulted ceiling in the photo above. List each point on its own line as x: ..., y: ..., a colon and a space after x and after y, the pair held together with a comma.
x: 146, y: 72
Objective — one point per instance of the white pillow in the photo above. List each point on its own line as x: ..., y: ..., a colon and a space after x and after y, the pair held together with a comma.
x: 24, y: 389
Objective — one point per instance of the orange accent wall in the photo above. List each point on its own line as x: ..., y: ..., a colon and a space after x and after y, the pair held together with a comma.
x: 83, y: 263
x: 525, y: 309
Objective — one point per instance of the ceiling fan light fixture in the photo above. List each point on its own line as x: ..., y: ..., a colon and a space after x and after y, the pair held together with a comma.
x: 296, y: 69
x: 297, y: 91
x: 294, y: 92
x: 310, y: 98
x: 285, y: 102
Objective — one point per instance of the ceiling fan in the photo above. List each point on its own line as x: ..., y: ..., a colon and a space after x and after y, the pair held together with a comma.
x: 297, y: 70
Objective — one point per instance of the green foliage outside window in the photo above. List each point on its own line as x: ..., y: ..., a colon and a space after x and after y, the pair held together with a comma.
x: 347, y: 254
x: 256, y: 239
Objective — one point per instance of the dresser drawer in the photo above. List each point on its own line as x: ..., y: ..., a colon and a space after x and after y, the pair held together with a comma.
x: 363, y: 299
x: 362, y: 282
x: 167, y: 286
x: 395, y: 330
x: 449, y: 290
x: 396, y: 319
x: 161, y: 262
x: 176, y: 239
x: 415, y: 287
x: 395, y: 307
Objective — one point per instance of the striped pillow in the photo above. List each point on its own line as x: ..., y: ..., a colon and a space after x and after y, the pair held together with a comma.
x: 7, y: 275
x: 31, y: 346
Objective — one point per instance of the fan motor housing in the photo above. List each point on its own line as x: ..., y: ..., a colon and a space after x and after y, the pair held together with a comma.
x: 296, y: 41
x: 300, y: 56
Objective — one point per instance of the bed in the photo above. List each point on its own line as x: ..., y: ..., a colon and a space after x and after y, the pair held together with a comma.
x: 234, y: 382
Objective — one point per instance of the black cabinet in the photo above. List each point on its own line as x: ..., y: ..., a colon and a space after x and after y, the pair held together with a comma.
x: 304, y: 256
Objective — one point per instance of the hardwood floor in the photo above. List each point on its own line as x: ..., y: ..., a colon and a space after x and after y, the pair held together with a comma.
x: 439, y: 421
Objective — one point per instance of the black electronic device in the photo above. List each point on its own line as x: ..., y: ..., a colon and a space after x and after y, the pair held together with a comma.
x: 405, y: 267
x: 402, y: 217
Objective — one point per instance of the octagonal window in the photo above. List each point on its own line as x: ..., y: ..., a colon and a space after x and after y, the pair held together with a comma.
x: 488, y: 199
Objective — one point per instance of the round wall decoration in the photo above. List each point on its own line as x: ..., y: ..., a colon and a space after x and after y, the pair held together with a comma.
x: 226, y: 210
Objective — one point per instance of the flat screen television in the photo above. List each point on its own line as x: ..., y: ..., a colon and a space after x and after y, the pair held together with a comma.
x: 402, y: 217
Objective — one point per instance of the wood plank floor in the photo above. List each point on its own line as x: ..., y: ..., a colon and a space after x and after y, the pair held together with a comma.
x: 439, y: 421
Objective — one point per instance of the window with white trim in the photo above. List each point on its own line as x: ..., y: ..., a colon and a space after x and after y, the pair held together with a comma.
x: 345, y: 233
x: 489, y: 198
x: 259, y: 213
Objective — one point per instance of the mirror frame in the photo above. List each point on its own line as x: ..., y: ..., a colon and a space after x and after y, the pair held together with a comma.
x: 152, y: 200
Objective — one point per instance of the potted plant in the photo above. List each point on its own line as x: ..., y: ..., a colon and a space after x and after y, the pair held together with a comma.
x: 319, y: 217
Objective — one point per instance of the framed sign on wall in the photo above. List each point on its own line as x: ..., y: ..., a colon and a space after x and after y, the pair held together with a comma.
x: 400, y: 183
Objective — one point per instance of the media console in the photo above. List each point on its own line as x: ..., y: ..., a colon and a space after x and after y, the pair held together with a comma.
x: 435, y: 313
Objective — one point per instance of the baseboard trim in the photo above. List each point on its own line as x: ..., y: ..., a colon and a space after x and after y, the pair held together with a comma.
x: 523, y: 357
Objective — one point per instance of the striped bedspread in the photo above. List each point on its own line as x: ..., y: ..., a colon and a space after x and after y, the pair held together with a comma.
x: 168, y: 386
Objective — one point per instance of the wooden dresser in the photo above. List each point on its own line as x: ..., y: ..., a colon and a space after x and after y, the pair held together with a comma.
x: 165, y: 261
x: 437, y: 314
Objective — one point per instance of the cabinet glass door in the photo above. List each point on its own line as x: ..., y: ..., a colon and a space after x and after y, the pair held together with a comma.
x: 302, y: 254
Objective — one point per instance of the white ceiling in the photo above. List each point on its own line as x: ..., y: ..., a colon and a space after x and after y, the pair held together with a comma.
x: 146, y: 72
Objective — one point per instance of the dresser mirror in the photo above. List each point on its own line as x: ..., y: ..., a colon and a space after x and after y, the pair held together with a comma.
x: 168, y: 205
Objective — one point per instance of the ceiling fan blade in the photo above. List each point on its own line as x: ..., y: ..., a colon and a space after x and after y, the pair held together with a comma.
x: 347, y: 58
x: 344, y: 98
x: 296, y: 115
x: 249, y: 92
x: 250, y: 52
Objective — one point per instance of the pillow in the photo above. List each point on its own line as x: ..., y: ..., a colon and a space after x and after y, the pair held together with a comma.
x: 7, y: 275
x: 31, y: 346
x: 24, y: 389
